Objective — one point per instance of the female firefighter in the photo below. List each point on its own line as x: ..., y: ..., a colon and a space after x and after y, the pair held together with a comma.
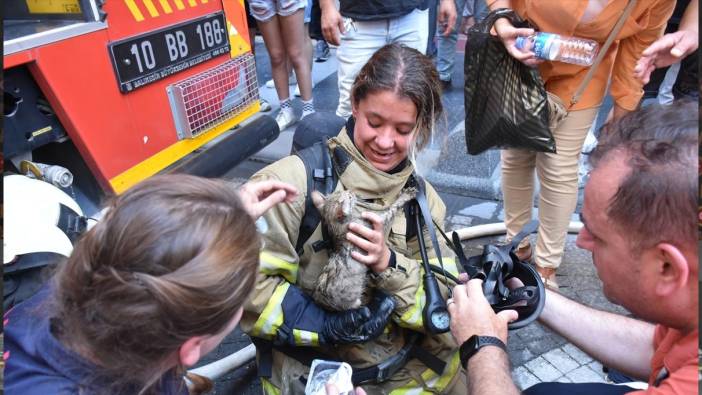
x: 396, y: 103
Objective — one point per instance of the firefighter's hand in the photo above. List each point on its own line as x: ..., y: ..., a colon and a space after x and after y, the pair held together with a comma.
x: 471, y: 314
x: 370, y: 240
x: 447, y: 16
x: 332, y: 25
x: 359, y: 325
x: 259, y: 196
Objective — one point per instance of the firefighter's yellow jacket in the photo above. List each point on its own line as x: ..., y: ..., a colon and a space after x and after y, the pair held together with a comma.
x: 281, y: 269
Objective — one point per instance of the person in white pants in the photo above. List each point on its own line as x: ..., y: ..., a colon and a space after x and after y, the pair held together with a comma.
x: 361, y: 27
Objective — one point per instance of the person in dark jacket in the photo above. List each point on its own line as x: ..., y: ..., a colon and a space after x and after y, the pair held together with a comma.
x: 156, y: 284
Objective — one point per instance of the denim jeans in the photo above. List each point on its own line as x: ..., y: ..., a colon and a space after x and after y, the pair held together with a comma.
x: 446, y: 54
x: 433, y: 11
x: 308, y: 11
x: 363, y: 38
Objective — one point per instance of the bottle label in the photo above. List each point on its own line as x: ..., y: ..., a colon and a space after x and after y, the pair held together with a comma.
x: 542, y: 44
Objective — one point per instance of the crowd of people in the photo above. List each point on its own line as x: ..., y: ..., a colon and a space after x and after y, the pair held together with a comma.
x: 178, y: 261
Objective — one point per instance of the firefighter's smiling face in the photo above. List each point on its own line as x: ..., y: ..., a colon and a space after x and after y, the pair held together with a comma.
x: 385, y: 126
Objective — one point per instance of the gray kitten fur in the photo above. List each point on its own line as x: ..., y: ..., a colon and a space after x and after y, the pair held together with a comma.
x: 342, y: 284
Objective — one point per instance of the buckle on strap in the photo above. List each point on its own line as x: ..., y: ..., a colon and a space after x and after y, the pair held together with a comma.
x: 71, y: 223
x: 320, y: 245
x: 388, y: 367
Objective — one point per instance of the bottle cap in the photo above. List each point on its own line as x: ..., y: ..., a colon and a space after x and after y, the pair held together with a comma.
x: 520, y: 42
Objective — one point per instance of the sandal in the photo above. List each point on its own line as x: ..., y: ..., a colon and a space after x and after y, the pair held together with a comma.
x: 525, y: 254
x: 548, y: 276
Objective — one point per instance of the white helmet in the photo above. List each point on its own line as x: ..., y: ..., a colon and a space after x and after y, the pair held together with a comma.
x: 35, y: 218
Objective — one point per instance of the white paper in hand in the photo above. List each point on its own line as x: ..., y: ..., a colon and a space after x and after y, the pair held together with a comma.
x: 323, y: 372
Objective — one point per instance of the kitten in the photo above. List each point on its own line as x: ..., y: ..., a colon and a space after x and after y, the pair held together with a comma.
x: 342, y: 284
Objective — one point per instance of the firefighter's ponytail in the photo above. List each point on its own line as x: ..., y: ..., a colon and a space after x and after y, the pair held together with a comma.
x: 174, y: 258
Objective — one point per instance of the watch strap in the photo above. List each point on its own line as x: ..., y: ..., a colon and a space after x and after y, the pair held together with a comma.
x: 474, y: 343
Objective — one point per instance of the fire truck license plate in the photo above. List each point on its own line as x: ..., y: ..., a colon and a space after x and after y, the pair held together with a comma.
x: 155, y: 55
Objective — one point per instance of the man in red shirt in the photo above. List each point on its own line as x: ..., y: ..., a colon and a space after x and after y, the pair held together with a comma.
x: 639, y: 222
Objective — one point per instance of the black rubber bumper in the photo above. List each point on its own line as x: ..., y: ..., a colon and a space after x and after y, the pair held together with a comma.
x: 222, y: 154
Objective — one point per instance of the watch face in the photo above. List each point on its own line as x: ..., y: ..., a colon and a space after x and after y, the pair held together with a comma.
x: 440, y: 319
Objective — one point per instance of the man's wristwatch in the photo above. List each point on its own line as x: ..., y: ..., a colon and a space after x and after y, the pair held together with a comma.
x: 475, y: 343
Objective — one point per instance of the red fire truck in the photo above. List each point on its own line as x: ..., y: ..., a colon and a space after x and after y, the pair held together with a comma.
x: 99, y: 95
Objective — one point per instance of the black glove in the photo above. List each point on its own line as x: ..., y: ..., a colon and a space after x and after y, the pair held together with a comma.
x: 301, y: 313
x: 359, y: 325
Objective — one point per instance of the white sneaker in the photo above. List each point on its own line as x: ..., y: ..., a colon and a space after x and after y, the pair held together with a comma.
x: 264, y: 106
x: 297, y: 89
x: 285, y: 119
x: 292, y: 80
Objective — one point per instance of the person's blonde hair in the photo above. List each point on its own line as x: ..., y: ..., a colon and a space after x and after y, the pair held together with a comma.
x: 174, y: 257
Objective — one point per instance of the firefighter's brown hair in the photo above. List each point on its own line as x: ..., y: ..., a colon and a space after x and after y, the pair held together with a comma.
x: 407, y: 73
x: 173, y: 258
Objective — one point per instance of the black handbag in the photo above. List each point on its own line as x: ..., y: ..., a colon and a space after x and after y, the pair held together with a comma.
x: 505, y: 100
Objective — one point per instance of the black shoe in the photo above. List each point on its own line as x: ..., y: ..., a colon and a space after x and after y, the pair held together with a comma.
x: 321, y: 51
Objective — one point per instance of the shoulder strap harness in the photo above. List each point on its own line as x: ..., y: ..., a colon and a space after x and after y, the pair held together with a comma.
x: 322, y: 176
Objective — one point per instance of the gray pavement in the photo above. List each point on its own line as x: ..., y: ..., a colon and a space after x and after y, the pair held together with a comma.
x: 470, y: 188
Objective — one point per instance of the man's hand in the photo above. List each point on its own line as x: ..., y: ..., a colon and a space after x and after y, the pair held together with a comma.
x: 372, y: 241
x: 447, y: 16
x: 669, y: 49
x: 471, y: 314
x: 508, y: 34
x: 259, y: 196
x: 332, y: 23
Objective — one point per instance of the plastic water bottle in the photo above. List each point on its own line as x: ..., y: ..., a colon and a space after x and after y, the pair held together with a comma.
x: 550, y: 46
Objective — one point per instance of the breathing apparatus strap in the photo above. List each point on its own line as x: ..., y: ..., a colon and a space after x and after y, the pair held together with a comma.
x: 528, y: 229
x: 323, y: 171
x: 428, y: 222
x: 497, y: 264
x: 377, y: 373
